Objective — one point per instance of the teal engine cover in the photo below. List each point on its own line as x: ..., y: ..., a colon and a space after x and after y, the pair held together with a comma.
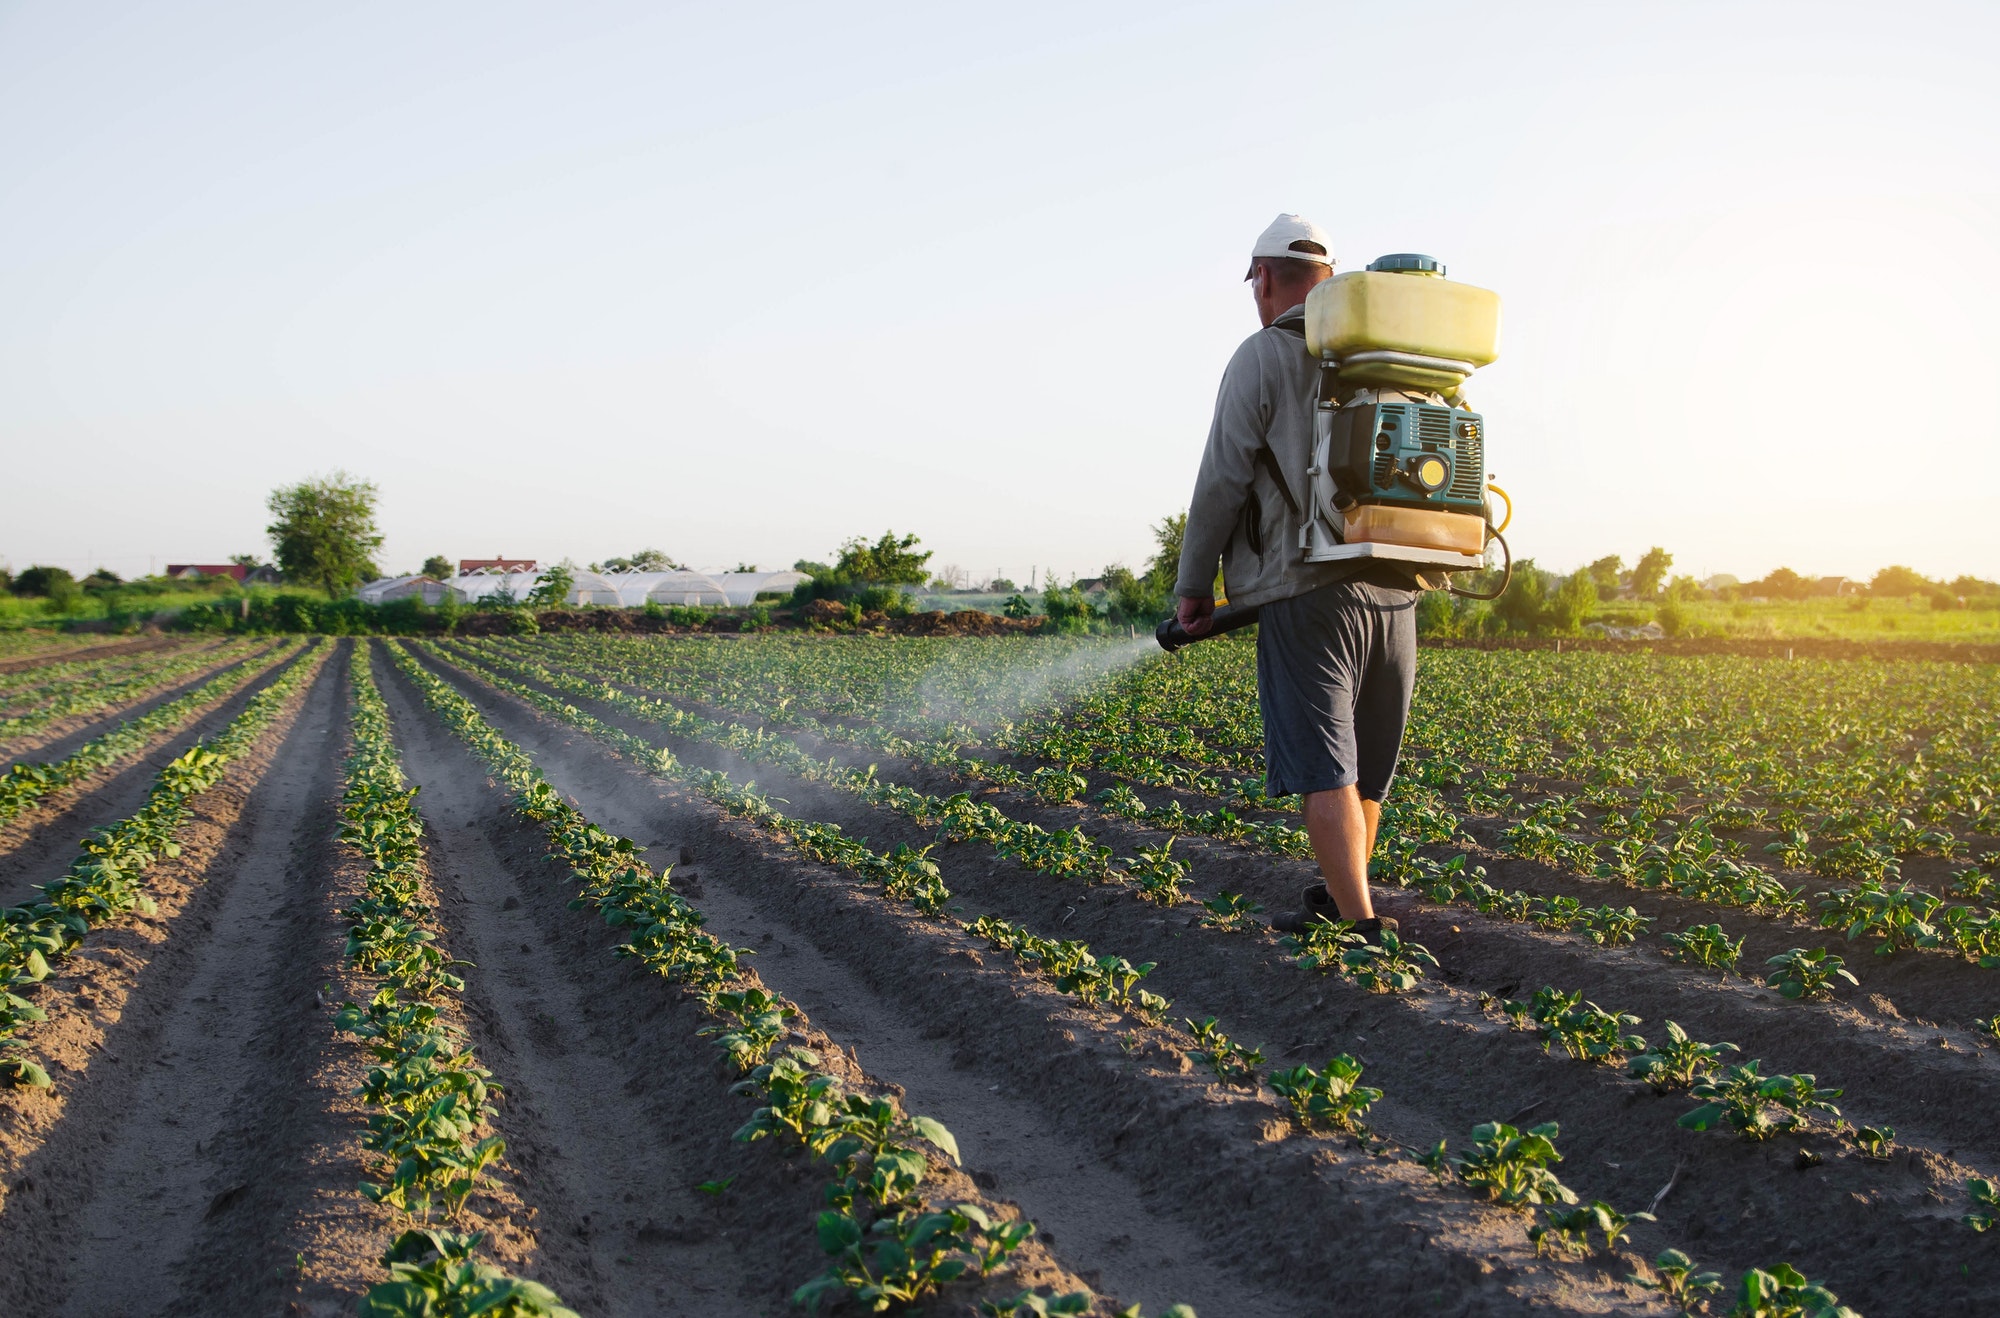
x: 1416, y: 455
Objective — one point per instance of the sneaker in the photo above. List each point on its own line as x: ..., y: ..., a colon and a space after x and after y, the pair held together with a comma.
x: 1315, y: 906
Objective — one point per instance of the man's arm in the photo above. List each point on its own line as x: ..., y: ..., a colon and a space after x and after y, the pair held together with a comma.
x: 1228, y: 463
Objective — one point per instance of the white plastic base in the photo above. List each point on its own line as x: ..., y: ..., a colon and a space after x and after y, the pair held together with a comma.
x: 1443, y: 558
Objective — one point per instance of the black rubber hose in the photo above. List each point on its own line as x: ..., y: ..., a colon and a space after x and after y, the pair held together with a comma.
x: 1506, y: 575
x: 1172, y: 636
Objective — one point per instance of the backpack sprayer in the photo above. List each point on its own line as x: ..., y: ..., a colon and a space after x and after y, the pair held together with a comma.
x: 1398, y: 468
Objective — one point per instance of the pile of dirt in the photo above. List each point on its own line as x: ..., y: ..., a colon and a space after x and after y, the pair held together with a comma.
x: 965, y: 622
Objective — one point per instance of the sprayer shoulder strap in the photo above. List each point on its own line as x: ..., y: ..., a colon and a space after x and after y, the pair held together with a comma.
x: 1294, y: 325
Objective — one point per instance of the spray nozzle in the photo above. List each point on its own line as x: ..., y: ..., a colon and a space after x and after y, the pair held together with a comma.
x: 1172, y: 636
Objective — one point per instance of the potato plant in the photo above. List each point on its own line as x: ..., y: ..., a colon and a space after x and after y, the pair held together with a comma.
x: 1803, y: 975
x: 1566, y: 1231
x: 1782, y: 1291
x: 1232, y: 1063
x: 1678, y: 1062
x: 1704, y: 945
x: 1388, y: 965
x: 1586, y: 1031
x: 1329, y: 1099
x: 1757, y: 1106
x: 1679, y: 1283
x: 1157, y: 875
x: 1511, y: 1167
x: 1230, y: 911
x: 433, y: 1274
x: 1985, y: 1204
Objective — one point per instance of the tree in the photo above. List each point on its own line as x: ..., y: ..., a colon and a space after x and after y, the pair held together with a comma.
x: 324, y: 531
x: 1163, y: 569
x: 244, y: 560
x: 1522, y: 608
x: 1572, y: 604
x: 1606, y: 574
x: 439, y: 568
x: 552, y: 591
x: 888, y: 562
x: 1650, y: 571
x: 48, y: 582
x: 646, y: 560
x: 1781, y: 584
x: 1899, y: 581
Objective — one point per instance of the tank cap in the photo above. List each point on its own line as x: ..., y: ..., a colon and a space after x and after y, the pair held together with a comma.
x: 1407, y: 261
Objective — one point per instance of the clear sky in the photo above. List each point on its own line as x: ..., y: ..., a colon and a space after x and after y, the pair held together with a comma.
x: 740, y: 281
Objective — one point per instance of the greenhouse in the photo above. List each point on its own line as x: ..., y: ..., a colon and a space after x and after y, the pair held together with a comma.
x: 429, y: 589
x: 682, y: 588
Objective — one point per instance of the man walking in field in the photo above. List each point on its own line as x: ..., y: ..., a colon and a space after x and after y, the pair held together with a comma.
x: 1336, y: 642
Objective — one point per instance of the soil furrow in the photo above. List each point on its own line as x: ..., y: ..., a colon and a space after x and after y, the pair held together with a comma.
x: 1444, y: 1061
x: 160, y: 1032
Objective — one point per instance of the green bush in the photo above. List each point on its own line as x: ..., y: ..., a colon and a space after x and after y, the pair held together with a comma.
x: 890, y: 600
x: 1068, y: 609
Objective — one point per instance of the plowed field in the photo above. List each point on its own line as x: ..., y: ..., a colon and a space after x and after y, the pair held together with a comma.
x: 730, y: 975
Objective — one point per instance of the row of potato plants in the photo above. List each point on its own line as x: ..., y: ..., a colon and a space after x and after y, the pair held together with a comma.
x: 24, y: 686
x: 1126, y: 726
x: 430, y: 1098
x: 25, y: 784
x: 886, y: 1242
x: 108, y: 879
x: 29, y: 689
x: 1332, y: 1097
x: 1072, y: 853
x: 1693, y: 863
x: 1623, y: 719
x: 87, y: 695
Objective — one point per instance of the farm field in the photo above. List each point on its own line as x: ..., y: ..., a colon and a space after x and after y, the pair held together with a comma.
x: 735, y: 974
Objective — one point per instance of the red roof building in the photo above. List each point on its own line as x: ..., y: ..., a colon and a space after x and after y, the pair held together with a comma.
x: 468, y: 566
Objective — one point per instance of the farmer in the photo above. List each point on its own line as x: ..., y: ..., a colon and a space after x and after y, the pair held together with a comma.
x: 1336, y: 642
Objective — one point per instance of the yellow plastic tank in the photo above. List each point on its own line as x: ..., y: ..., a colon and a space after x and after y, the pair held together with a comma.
x: 1375, y: 321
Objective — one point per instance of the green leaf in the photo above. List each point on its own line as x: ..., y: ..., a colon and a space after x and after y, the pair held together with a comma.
x: 837, y: 1231
x: 933, y: 1130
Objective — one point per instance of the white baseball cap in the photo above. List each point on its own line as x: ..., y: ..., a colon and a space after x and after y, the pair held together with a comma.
x: 1294, y: 237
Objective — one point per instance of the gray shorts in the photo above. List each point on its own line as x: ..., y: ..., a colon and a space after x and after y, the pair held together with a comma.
x: 1335, y: 668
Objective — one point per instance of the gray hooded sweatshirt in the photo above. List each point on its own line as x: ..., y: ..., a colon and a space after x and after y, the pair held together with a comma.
x: 1249, y: 497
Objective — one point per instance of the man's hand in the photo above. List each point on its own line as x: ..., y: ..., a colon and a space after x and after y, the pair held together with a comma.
x: 1196, y: 614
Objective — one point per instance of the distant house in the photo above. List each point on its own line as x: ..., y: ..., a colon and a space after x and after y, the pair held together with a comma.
x: 494, y: 566
x: 201, y: 571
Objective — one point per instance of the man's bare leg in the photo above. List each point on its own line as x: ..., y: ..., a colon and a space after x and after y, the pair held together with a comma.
x: 1342, y: 828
